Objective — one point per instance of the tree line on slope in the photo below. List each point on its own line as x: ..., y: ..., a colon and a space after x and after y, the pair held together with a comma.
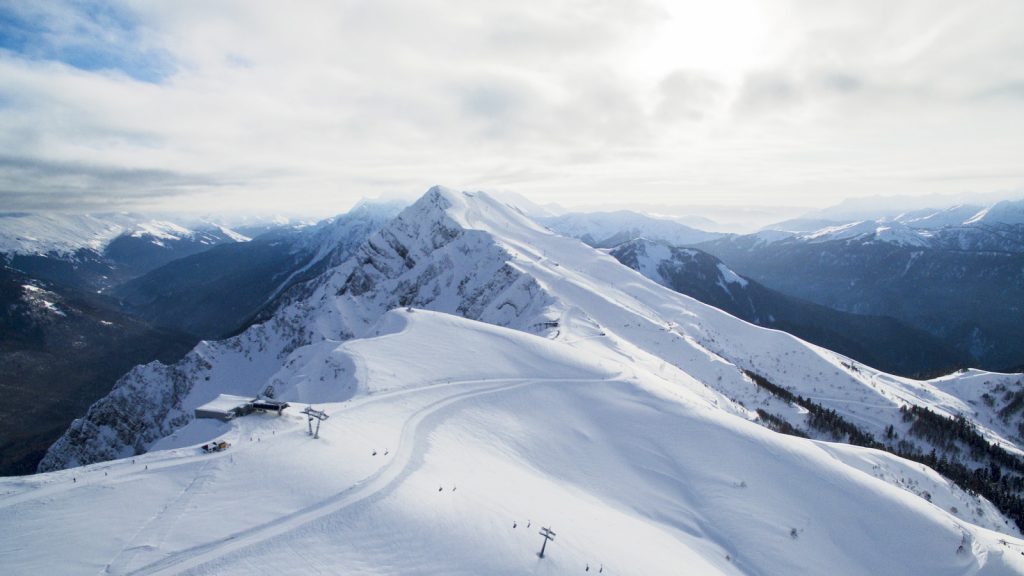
x: 1000, y: 481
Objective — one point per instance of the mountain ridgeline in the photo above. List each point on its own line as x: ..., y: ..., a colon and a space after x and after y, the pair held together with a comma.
x: 962, y: 284
x: 472, y: 256
x: 878, y: 341
x: 88, y: 297
x: 218, y: 292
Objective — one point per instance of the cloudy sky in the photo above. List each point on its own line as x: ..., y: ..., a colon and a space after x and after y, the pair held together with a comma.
x: 307, y: 106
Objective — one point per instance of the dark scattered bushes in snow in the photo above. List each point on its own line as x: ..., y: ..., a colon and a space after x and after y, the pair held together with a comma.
x: 999, y: 479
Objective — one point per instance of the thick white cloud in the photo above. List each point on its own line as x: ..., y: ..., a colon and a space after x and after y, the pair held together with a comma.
x: 312, y: 104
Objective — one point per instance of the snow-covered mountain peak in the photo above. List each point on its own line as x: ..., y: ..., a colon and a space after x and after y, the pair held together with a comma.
x: 377, y: 206
x: 461, y: 289
x: 1007, y: 212
x: 474, y: 211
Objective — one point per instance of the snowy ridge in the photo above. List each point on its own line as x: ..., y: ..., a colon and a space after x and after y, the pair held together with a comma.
x: 333, y: 241
x: 64, y: 234
x: 595, y: 344
x: 1005, y: 212
x: 888, y: 232
x: 33, y: 233
x: 963, y: 227
x: 519, y: 437
x: 934, y: 219
x: 161, y: 230
x: 391, y: 269
x: 608, y: 229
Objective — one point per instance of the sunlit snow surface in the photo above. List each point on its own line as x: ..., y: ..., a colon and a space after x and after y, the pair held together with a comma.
x: 621, y: 429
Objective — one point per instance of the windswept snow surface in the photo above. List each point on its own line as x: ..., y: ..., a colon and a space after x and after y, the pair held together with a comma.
x: 526, y: 432
x: 615, y: 413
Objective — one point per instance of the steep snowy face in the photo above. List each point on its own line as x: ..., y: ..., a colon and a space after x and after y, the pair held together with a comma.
x: 439, y: 254
x: 334, y: 237
x: 666, y: 264
x: 188, y: 294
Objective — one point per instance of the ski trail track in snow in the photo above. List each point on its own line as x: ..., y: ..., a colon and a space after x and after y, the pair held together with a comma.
x: 408, y: 457
x: 161, y: 524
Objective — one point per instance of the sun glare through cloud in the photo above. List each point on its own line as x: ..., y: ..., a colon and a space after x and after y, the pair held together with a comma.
x: 736, y: 102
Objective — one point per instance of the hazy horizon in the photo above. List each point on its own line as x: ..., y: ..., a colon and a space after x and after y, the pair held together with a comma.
x: 709, y: 217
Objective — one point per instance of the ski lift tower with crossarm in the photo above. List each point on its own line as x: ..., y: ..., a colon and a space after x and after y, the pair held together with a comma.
x: 548, y: 535
x: 318, y: 415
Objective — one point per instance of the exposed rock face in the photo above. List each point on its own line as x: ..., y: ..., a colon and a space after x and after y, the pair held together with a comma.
x: 423, y: 258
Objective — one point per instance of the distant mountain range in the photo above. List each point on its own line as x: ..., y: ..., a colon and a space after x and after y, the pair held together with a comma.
x: 998, y: 228
x: 949, y: 280
x: 608, y: 229
x: 957, y: 274
x: 877, y: 341
x: 889, y: 293
x: 86, y: 297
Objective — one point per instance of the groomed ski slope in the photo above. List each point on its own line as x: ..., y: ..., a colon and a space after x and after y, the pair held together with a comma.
x: 475, y: 428
x: 655, y: 325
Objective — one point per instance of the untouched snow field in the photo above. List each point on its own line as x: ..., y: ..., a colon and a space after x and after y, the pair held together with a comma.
x: 504, y: 430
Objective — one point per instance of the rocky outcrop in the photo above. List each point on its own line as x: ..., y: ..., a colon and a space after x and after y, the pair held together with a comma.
x: 427, y: 257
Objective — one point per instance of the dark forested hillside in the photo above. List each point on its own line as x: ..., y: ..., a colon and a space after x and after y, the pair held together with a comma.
x: 60, y: 350
x: 878, y: 341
